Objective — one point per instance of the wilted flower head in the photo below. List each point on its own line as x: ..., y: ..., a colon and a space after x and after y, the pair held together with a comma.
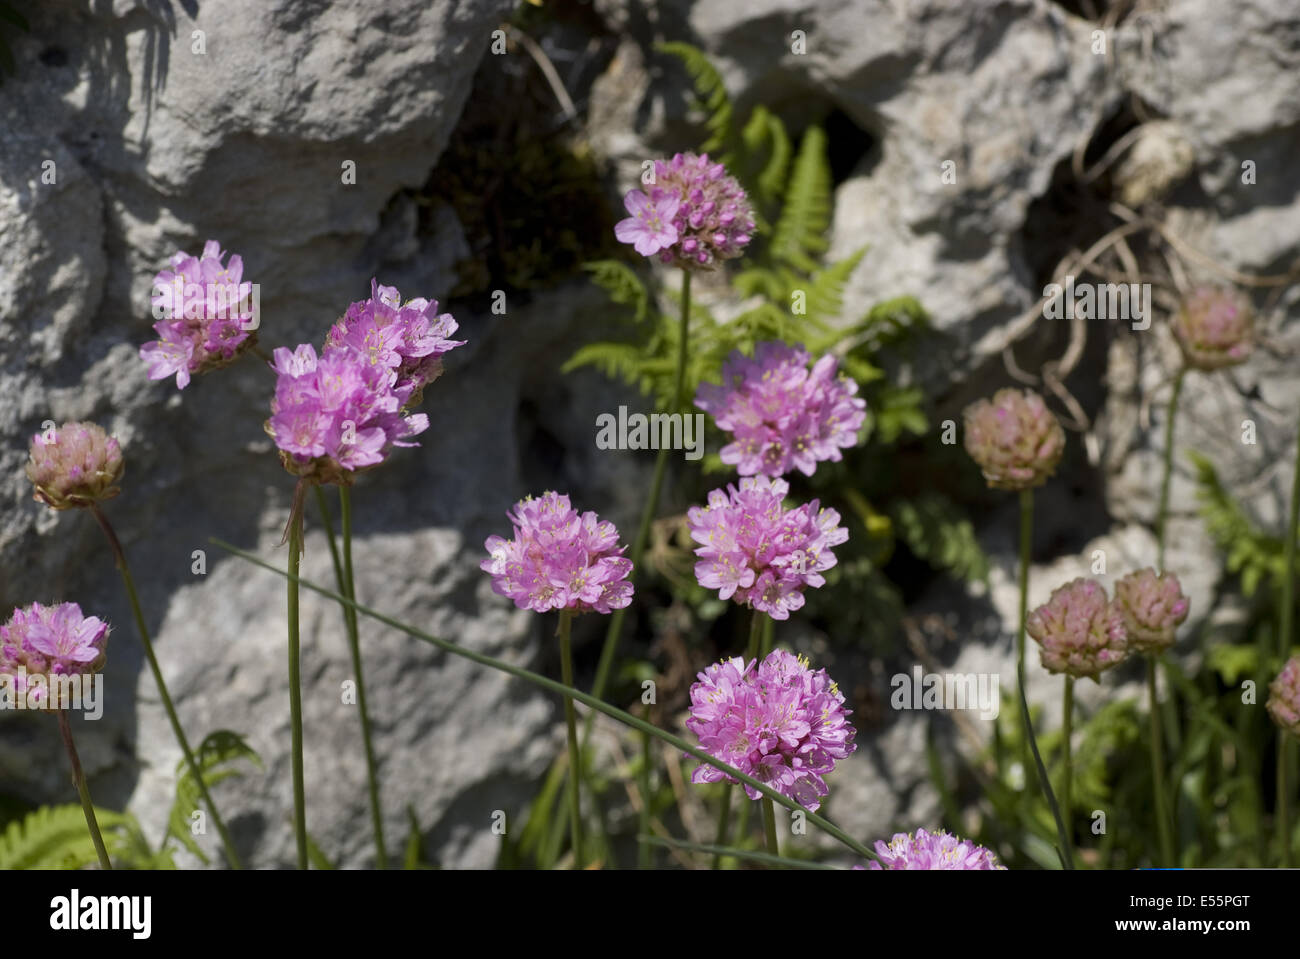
x: 782, y: 724
x: 208, y: 315
x: 407, y: 340
x: 76, y: 465
x: 758, y: 552
x: 1215, y: 328
x: 783, y: 415
x: 336, y: 415
x: 1079, y: 629
x: 40, y: 642
x: 1153, y: 607
x: 692, y: 215
x: 558, y: 559
x: 1284, y: 697
x: 1014, y: 438
x: 941, y: 850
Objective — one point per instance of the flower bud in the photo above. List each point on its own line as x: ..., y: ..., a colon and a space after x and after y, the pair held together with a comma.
x: 1081, y: 632
x: 1153, y: 607
x: 1215, y: 328
x: 76, y: 465
x: 1284, y: 697
x: 1014, y: 438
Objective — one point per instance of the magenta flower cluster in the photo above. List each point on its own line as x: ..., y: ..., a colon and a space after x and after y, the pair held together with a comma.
x: 407, y: 339
x: 782, y: 414
x: 755, y: 550
x: 924, y: 850
x: 1284, y: 697
x: 43, y: 641
x: 207, y: 311
x: 337, y: 414
x: 781, y: 723
x: 692, y: 215
x: 559, y: 559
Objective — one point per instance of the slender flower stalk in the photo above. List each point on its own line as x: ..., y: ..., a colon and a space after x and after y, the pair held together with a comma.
x: 570, y: 721
x: 769, y: 826
x: 1067, y: 767
x: 1285, y: 749
x: 343, y: 577
x: 295, y: 678
x: 83, y: 791
x: 119, y: 558
x: 756, y: 627
x: 645, y: 850
x: 1162, y: 510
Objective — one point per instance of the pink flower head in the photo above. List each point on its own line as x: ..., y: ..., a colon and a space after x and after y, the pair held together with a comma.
x: 754, y: 550
x: 650, y: 227
x: 1215, y: 328
x: 693, y: 215
x: 1153, y: 607
x: 558, y: 559
x: 407, y: 340
x: 40, y: 642
x: 1081, y: 632
x: 782, y: 414
x: 76, y: 465
x: 782, y: 723
x: 1014, y: 438
x: 1284, y: 697
x: 208, y: 315
x: 334, y: 416
x: 941, y: 850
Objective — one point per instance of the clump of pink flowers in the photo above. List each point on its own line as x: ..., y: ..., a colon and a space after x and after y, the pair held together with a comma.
x: 406, y: 339
x: 1014, y: 438
x: 754, y: 550
x: 924, y: 850
x: 781, y: 723
x: 1215, y: 328
x: 1153, y: 607
x: 782, y: 414
x: 559, y: 559
x: 208, y: 315
x: 74, y: 466
x: 1080, y: 631
x: 693, y: 215
x: 1284, y: 697
x: 40, y: 642
x: 337, y: 414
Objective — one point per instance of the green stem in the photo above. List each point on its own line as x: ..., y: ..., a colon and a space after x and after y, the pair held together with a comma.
x: 119, y: 558
x: 79, y: 780
x: 645, y: 852
x: 347, y: 586
x: 724, y: 821
x: 759, y: 626
x: 295, y: 679
x: 1162, y: 510
x: 1158, y: 770
x: 1067, y: 770
x: 1286, y: 622
x: 769, y: 826
x: 614, y: 632
x: 545, y: 682
x: 570, y: 720
x: 1026, y: 544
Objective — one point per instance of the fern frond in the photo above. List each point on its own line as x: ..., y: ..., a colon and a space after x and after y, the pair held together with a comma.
x: 622, y: 285
x: 618, y: 361
x: 56, y: 837
x: 826, y: 292
x: 1249, y: 552
x: 710, y: 93
x: 799, y: 236
x: 937, y: 531
x: 214, y: 758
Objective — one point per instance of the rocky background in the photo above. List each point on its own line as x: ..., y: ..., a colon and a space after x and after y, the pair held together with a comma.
x: 168, y: 123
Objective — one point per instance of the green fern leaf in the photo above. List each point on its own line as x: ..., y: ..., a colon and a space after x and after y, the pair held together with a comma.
x: 622, y: 285
x: 711, y: 95
x: 937, y: 531
x: 56, y: 837
x: 214, y: 758
x: 799, y: 235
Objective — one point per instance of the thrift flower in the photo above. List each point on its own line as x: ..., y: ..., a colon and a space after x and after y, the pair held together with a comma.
x: 756, y: 551
x: 693, y: 215
x: 1080, y: 631
x: 76, y: 465
x: 208, y: 316
x: 780, y: 723
x: 1215, y: 328
x: 1014, y: 438
x: 334, y: 416
x: 1284, y: 697
x: 42, y: 642
x: 941, y: 850
x: 558, y: 559
x: 407, y: 340
x: 782, y: 414
x: 1153, y: 607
